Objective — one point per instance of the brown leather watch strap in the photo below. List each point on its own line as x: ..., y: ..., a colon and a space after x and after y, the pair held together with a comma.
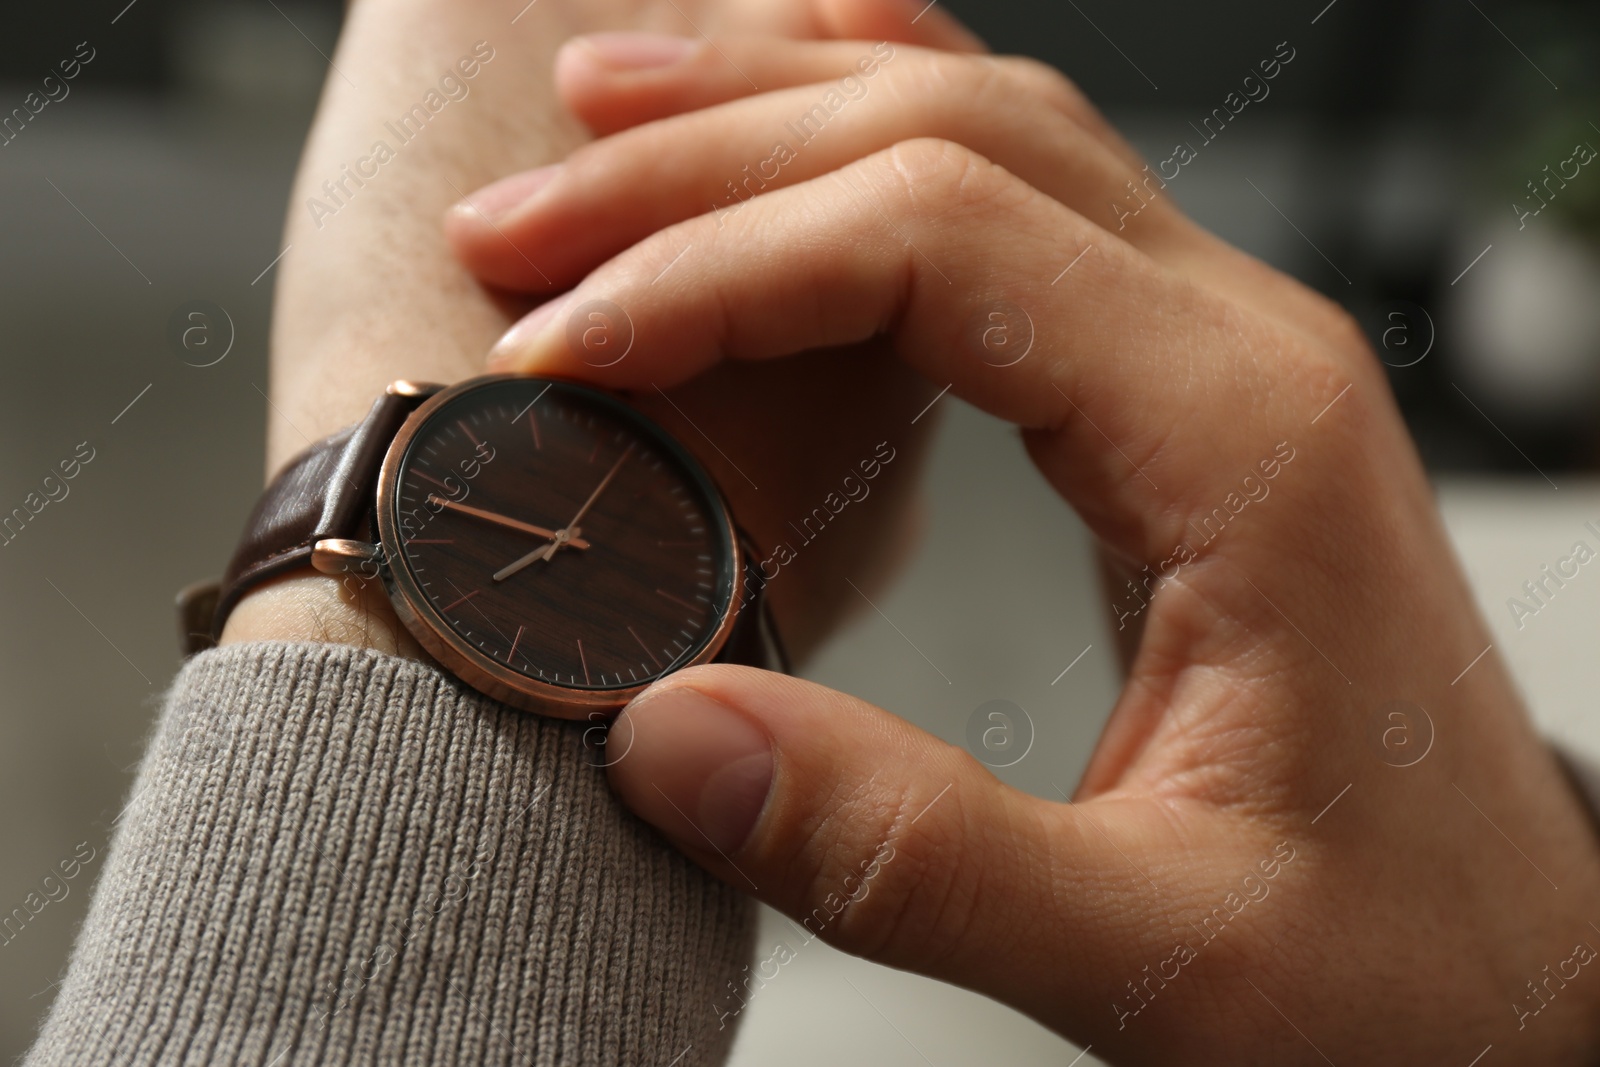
x: 325, y: 491
x: 754, y: 640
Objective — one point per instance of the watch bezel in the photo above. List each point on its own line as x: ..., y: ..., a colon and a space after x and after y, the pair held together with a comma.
x: 462, y: 659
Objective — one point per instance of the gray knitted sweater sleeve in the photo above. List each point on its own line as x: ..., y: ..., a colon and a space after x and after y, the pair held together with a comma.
x: 334, y: 856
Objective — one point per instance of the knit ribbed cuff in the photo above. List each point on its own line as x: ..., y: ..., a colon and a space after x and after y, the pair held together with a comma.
x: 335, y: 856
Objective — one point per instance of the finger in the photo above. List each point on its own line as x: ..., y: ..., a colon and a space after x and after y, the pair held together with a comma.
x: 691, y: 75
x: 888, y: 843
x: 1019, y: 113
x: 947, y: 251
x: 612, y: 81
x: 603, y: 80
x: 546, y: 229
x: 688, y: 75
x: 918, y: 22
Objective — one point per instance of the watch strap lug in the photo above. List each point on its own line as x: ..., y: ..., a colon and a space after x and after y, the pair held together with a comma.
x: 324, y: 493
x: 418, y: 391
x: 337, y: 555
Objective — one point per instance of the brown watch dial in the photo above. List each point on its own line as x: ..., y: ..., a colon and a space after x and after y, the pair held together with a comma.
x: 547, y: 530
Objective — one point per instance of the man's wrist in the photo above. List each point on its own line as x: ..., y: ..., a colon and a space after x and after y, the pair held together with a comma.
x: 309, y: 606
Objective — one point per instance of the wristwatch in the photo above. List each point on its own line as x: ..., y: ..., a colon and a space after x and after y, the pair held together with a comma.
x: 543, y: 541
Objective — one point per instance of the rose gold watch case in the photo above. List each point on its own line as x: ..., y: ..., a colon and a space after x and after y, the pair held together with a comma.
x: 481, y: 672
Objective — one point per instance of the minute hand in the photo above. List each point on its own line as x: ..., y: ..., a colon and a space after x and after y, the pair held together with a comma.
x: 504, y: 520
x: 562, y: 535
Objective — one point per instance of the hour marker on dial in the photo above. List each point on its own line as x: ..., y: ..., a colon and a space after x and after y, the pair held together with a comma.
x: 678, y: 600
x: 463, y: 600
x: 644, y: 646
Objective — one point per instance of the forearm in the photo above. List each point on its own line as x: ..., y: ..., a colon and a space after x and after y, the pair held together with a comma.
x: 368, y: 291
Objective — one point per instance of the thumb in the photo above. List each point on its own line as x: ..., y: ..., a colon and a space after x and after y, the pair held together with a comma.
x: 871, y: 834
x: 915, y: 22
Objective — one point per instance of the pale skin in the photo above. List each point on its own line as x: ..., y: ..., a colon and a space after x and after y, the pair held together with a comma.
x: 1406, y: 925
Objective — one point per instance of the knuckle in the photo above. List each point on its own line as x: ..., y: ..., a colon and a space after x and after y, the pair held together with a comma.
x: 1342, y: 344
x: 1034, y: 78
x: 933, y: 176
x: 981, y: 87
x: 1345, y: 334
x: 927, y: 165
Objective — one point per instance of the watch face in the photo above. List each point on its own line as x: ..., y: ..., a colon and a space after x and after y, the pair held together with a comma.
x: 550, y: 539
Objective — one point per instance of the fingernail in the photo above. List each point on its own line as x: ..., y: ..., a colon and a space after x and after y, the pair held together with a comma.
x: 638, y: 51
x: 522, y: 342
x: 497, y: 199
x: 692, y: 767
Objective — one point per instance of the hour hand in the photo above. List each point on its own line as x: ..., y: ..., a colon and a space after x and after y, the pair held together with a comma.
x: 502, y: 520
x: 542, y: 552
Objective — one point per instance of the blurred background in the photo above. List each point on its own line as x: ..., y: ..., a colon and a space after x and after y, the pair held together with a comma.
x: 1414, y: 160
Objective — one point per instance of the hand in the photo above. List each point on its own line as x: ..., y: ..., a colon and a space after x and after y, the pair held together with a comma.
x: 1241, y: 878
x: 370, y: 292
